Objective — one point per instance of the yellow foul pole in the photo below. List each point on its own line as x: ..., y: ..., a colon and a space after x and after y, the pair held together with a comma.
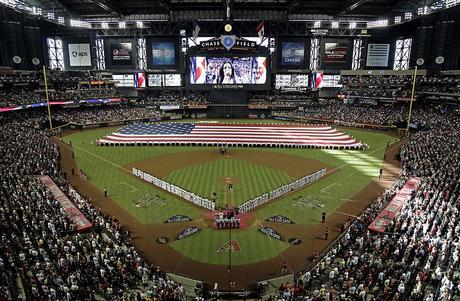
x: 47, y: 97
x: 411, y: 100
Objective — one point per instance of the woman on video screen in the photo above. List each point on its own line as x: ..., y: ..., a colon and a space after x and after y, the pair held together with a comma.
x: 226, y: 74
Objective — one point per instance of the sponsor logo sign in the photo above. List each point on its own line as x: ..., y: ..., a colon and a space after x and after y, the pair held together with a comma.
x: 280, y: 219
x: 292, y: 53
x: 178, y: 219
x: 121, y: 53
x: 271, y: 232
x: 228, y: 41
x: 335, y: 52
x: 79, y: 55
x: 187, y: 232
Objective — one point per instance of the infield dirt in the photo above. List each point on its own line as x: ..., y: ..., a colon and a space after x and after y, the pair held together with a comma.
x: 162, y: 166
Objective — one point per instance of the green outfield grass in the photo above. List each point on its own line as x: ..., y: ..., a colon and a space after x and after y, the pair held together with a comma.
x: 255, y: 246
x: 103, y: 165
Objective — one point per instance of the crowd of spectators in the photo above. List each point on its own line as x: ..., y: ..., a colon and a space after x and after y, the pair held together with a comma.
x: 418, y: 255
x: 18, y: 96
x: 17, y: 89
x: 360, y: 112
x: 397, y: 86
x: 174, y: 98
x: 15, y: 77
x: 106, y: 113
x: 42, y: 257
x: 417, y: 258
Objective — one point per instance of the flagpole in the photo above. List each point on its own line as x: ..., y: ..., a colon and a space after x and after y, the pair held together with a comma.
x: 47, y: 97
x: 411, y: 100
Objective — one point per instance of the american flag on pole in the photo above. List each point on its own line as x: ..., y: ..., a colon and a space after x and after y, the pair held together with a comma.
x: 230, y: 134
x: 261, y: 29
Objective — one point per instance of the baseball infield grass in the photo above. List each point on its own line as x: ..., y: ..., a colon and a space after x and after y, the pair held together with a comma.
x: 251, y: 180
x: 104, y: 168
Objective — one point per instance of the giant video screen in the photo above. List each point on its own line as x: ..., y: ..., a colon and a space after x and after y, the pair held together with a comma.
x: 228, y: 71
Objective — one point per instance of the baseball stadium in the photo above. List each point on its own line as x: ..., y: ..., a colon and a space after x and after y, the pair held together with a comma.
x: 230, y: 149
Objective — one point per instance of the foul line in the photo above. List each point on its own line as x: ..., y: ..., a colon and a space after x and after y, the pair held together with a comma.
x: 281, y: 255
x: 99, y: 157
x: 349, y: 200
x: 348, y: 214
x: 325, y: 188
x: 133, y: 188
x: 179, y: 264
x: 375, y: 150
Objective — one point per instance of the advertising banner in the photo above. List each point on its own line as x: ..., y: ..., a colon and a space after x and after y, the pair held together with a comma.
x: 78, y: 219
x: 79, y: 55
x: 187, y: 232
x: 178, y: 219
x: 280, y: 219
x: 377, y: 55
x: 155, y: 80
x: 121, y: 53
x: 271, y: 232
x: 386, y: 216
x: 335, y: 52
x: 292, y: 53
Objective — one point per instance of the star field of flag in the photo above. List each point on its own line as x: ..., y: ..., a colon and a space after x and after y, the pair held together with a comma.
x: 240, y: 134
x: 157, y: 129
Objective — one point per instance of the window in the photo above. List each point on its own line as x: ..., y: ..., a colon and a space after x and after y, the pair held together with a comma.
x: 100, y: 57
x: 357, y: 54
x: 314, y: 54
x: 402, y: 54
x: 142, y: 56
x: 55, y: 54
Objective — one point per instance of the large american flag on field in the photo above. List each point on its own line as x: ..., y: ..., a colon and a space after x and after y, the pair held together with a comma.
x: 221, y: 133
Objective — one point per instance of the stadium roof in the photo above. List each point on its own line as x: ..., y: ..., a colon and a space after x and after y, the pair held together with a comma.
x: 187, y: 10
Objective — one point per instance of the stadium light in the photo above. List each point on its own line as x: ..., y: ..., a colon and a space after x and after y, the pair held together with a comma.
x: 105, y: 25
x: 335, y: 24
x: 139, y: 24
x: 61, y: 20
x: 398, y: 19
x: 422, y: 10
x: 352, y: 25
x: 122, y: 24
x: 37, y: 11
x: 408, y: 16
x: 317, y: 24
x: 377, y: 23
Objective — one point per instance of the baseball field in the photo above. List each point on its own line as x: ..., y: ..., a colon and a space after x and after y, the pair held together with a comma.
x: 349, y: 185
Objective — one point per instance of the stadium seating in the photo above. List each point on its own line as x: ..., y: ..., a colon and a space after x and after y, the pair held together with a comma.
x: 417, y: 258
